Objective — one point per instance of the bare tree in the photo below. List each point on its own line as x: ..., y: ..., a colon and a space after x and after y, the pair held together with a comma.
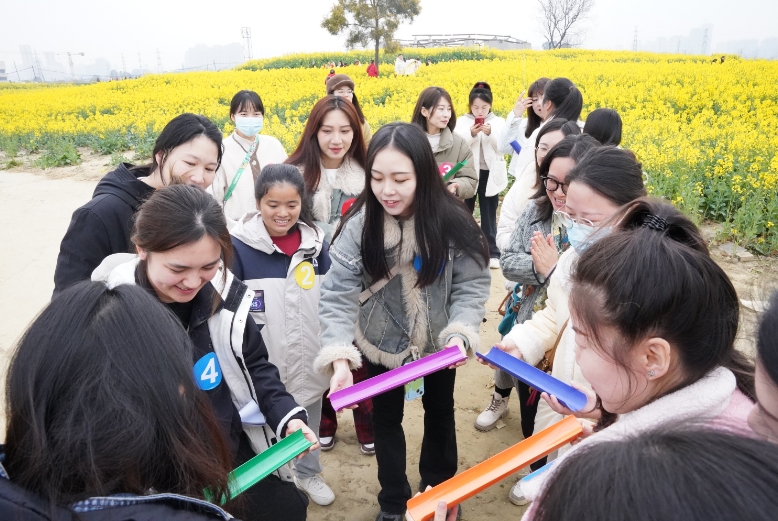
x: 370, y: 21
x: 557, y: 18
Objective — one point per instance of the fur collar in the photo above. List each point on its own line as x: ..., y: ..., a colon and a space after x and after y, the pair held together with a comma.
x: 350, y: 180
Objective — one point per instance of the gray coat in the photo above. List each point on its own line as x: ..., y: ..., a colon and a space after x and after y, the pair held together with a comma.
x: 399, y: 315
x: 516, y: 259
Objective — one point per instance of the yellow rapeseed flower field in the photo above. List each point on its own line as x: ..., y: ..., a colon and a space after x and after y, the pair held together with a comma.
x: 706, y: 133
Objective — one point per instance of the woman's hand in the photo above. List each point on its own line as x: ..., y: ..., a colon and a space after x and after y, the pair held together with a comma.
x: 475, y: 129
x: 460, y: 343
x: 486, y: 129
x: 544, y: 253
x: 341, y: 377
x: 507, y: 346
x: 590, y: 410
x: 588, y: 430
x: 441, y: 511
x: 521, y: 105
x: 453, y: 187
x: 299, y: 425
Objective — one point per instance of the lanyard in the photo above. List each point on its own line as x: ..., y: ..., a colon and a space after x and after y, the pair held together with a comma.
x: 241, y: 169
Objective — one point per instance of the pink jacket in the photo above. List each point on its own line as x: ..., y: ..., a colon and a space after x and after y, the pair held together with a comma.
x: 714, y: 399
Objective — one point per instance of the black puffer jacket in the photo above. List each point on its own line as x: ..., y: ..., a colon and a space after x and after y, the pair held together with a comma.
x: 102, y: 226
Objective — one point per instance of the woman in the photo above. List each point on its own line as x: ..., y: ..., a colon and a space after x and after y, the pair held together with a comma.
x: 519, y: 128
x: 343, y: 86
x: 434, y: 114
x: 561, y: 99
x: 525, y: 187
x: 188, y: 150
x: 764, y: 416
x: 604, y: 125
x: 331, y: 157
x: 245, y: 153
x: 184, y: 250
x: 280, y: 255
x: 101, y: 402
x: 425, y: 264
x: 607, y: 178
x: 483, y: 138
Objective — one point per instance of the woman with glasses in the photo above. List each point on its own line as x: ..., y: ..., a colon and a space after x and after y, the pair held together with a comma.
x: 343, y: 86
x: 592, y: 190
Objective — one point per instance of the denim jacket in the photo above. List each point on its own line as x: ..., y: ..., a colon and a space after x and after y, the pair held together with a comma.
x: 399, y: 316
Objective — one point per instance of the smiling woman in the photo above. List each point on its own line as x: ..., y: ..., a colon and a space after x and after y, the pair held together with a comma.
x: 188, y: 151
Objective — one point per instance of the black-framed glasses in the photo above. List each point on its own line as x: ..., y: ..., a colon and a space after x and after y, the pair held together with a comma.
x: 552, y: 184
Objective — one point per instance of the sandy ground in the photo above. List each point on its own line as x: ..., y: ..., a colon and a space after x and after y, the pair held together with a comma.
x: 35, y: 209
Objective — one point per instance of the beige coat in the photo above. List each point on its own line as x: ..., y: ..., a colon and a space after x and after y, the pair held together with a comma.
x: 536, y: 336
x: 454, y: 149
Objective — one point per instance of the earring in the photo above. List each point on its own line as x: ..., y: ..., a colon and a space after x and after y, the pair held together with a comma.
x: 651, y: 374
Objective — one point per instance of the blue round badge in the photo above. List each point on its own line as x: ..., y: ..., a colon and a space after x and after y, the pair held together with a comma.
x: 207, y: 372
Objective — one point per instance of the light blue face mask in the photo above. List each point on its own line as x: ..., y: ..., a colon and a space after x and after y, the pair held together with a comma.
x: 249, y: 126
x: 581, y: 237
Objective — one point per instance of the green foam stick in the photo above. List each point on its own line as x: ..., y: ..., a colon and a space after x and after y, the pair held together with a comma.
x: 454, y: 170
x: 262, y: 465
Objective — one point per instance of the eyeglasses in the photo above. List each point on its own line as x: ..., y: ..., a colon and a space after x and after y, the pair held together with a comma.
x: 567, y: 221
x: 552, y: 184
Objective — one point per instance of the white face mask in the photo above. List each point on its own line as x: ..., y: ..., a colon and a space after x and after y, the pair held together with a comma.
x: 249, y: 126
x: 581, y: 237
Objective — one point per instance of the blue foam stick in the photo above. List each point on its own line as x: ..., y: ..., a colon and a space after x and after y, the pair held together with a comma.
x: 568, y: 396
x: 515, y: 145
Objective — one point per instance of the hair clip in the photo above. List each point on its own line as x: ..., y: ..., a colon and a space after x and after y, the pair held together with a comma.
x: 654, y: 222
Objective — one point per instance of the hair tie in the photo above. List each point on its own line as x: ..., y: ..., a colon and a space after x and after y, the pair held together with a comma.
x: 654, y: 222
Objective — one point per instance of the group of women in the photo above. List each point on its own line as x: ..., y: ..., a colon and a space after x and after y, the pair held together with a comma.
x: 201, y: 314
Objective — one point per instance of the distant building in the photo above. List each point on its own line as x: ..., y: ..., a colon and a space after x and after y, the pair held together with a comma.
x: 466, y: 40
x: 3, y: 76
x: 697, y: 42
x: 766, y: 49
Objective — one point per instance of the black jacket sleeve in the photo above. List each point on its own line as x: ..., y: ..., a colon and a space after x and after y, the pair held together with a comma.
x: 85, y: 245
x: 273, y: 399
x: 237, y: 264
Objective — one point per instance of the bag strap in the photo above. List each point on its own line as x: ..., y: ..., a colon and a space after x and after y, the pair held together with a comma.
x: 375, y: 288
x: 243, y: 166
x: 552, y: 353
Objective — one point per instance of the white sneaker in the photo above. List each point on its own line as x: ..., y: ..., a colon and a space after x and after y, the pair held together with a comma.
x: 492, y: 414
x: 494, y: 263
x: 317, y: 490
x: 516, y: 496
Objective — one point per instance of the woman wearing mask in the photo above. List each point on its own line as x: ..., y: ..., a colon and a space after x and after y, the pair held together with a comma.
x: 607, y: 178
x: 188, y: 150
x: 481, y: 129
x: 245, y: 153
x: 343, y: 86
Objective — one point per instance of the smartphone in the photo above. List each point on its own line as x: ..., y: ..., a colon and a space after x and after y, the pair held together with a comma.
x: 479, y: 121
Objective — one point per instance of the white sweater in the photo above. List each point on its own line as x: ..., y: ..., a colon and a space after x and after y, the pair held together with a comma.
x: 270, y: 151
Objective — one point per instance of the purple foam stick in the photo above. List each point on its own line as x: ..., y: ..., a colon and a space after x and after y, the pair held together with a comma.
x: 515, y: 145
x: 396, y: 377
x: 567, y: 395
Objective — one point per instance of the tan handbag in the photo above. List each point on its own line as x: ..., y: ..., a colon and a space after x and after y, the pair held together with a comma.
x: 546, y: 364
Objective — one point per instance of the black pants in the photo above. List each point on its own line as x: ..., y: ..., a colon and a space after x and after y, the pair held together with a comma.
x: 488, y: 212
x: 269, y: 500
x: 438, y: 460
x: 528, y: 408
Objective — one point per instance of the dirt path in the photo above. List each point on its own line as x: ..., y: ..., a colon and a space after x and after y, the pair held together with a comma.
x: 35, y: 209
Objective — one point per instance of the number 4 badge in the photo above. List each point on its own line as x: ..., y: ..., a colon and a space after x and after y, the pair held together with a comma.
x: 208, y: 372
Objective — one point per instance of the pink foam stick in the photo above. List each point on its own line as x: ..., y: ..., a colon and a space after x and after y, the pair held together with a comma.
x: 396, y: 377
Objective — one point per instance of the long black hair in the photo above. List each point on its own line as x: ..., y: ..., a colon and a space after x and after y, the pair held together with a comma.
x: 441, y: 221
x: 101, y: 400
x: 566, y: 98
x: 574, y: 146
x: 673, y: 473
x: 604, y: 125
x: 181, y: 130
x: 280, y: 174
x: 429, y: 99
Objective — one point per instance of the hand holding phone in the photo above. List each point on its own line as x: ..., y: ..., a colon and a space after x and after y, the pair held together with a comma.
x: 479, y: 120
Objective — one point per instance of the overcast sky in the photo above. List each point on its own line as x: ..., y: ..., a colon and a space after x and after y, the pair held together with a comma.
x: 107, y: 29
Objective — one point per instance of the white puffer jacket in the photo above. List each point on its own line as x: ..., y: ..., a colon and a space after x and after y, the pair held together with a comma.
x: 495, y: 159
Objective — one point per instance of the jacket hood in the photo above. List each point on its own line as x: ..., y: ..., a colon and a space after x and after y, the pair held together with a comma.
x: 251, y: 230
x: 125, y: 184
x: 446, y: 140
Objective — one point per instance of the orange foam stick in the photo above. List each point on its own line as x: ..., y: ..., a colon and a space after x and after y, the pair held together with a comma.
x: 487, y: 473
